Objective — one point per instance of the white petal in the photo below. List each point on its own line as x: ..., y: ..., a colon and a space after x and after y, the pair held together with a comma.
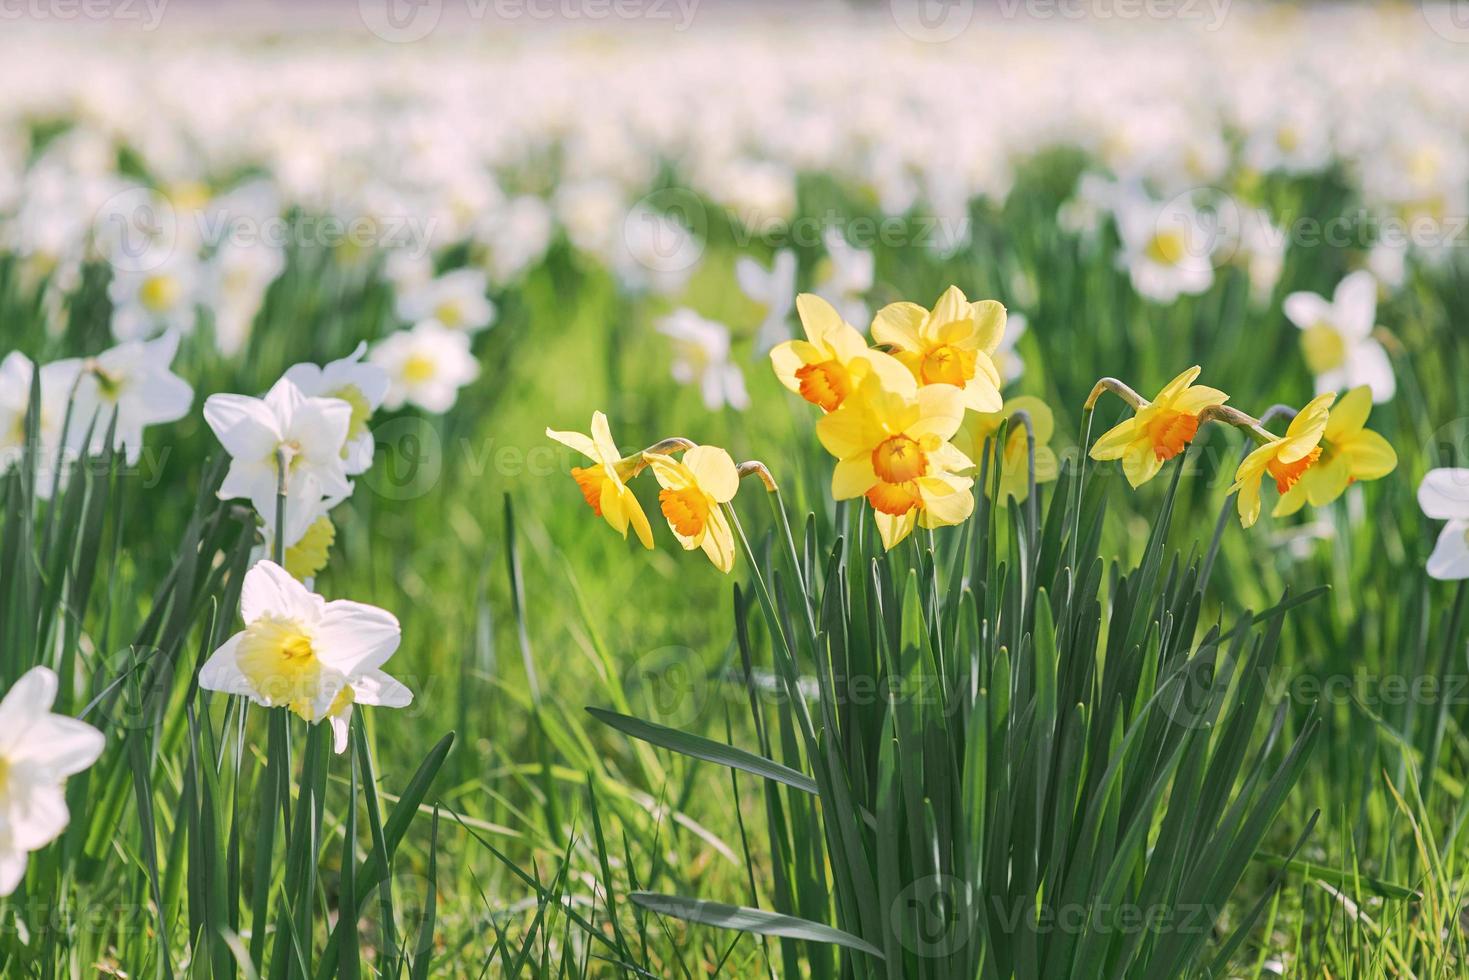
x: 63, y: 746
x: 340, y: 722
x: 1368, y: 364
x: 246, y: 427
x: 221, y: 672
x: 1306, y: 310
x: 12, y: 869
x: 1355, y: 303
x: 1444, y: 494
x: 377, y: 688
x: 1450, y: 558
x: 354, y: 637
x: 38, y: 816
x: 269, y: 588
x: 29, y: 699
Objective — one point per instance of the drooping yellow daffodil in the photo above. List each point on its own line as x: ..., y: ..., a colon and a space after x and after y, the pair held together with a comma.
x: 1015, y: 459
x: 604, y: 483
x: 693, y: 490
x: 1160, y: 430
x: 1286, y: 459
x: 893, y: 448
x: 832, y: 360
x: 951, y: 344
x: 1349, y: 452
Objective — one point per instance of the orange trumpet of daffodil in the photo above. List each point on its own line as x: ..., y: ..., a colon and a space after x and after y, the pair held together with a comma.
x: 694, y: 489
x: 1286, y: 459
x: 604, y: 483
x: 952, y: 344
x: 1349, y: 452
x: 833, y: 359
x: 1160, y: 430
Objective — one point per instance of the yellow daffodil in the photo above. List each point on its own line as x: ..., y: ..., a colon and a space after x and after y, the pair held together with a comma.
x: 1349, y: 452
x: 604, y: 484
x: 308, y: 556
x: 893, y: 448
x: 1015, y: 460
x: 952, y: 344
x: 693, y: 490
x: 1286, y: 459
x: 1160, y: 430
x: 832, y: 360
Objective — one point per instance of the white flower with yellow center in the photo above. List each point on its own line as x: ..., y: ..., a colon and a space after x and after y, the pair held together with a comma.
x: 308, y: 434
x: 1167, y: 249
x: 301, y: 652
x: 152, y: 295
x: 701, y: 357
x: 133, y: 384
x: 1336, y: 337
x: 58, y: 379
x: 455, y: 299
x: 426, y: 366
x: 38, y: 751
x: 361, y: 384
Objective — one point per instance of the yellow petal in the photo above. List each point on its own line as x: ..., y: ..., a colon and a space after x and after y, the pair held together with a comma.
x: 951, y: 306
x: 1140, y: 464
x: 718, y: 542
x: 892, y: 529
x: 670, y: 473
x: 898, y: 324
x: 1349, y: 415
x: 575, y: 440
x: 1175, y: 387
x: 1195, y: 399
x: 852, y: 477
x: 1369, y: 455
x: 818, y: 318
x: 1115, y: 441
x: 713, y: 471
x: 989, y: 324
x: 602, y: 436
x: 940, y: 411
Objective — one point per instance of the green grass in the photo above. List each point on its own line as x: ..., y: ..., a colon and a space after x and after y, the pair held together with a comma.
x: 496, y: 828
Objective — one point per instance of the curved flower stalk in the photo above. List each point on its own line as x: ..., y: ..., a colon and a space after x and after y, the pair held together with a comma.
x: 1322, y: 452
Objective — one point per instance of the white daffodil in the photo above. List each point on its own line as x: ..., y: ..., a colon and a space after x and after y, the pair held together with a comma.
x: 1007, y: 362
x: 773, y: 288
x: 1337, y: 337
x: 359, y: 383
x: 1167, y: 249
x: 426, y: 366
x: 701, y: 357
x: 154, y: 295
x: 845, y: 277
x: 299, y: 651
x: 308, y: 433
x: 58, y: 381
x: 234, y: 286
x: 456, y: 300
x: 38, y: 751
x: 654, y: 252
x: 1444, y: 496
x: 133, y: 383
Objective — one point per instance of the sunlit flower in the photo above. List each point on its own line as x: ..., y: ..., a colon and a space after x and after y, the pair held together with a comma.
x: 693, y: 490
x: 844, y: 276
x: 1007, y: 362
x: 234, y: 284
x: 1349, y: 452
x: 132, y: 384
x: 951, y: 344
x: 1015, y: 460
x: 701, y: 357
x: 654, y: 252
x: 604, y: 483
x: 426, y: 366
x: 1444, y: 496
x: 832, y: 360
x: 58, y: 380
x: 299, y: 651
x: 455, y: 299
x: 1167, y: 249
x: 154, y: 296
x: 1285, y: 459
x: 38, y: 751
x: 893, y: 448
x: 359, y: 383
x: 774, y: 289
x: 1337, y: 337
x: 1160, y: 430
x: 309, y: 433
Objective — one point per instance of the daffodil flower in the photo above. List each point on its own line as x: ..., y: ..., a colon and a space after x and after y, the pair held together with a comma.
x: 426, y: 366
x: 952, y: 344
x: 1444, y: 496
x: 1160, y: 430
x: 604, y: 483
x: 1285, y: 459
x: 1336, y: 337
x: 694, y: 489
x: 1015, y: 459
x: 132, y: 384
x: 832, y: 360
x: 772, y: 288
x: 299, y: 651
x: 362, y: 385
x: 455, y: 299
x: 893, y: 448
x: 1349, y: 452
x: 58, y: 379
x: 38, y: 751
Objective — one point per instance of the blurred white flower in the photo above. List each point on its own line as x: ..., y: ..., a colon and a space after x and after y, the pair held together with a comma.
x: 514, y: 237
x: 38, y: 751
x: 1388, y: 263
x: 361, y: 384
x: 773, y: 288
x: 701, y: 357
x: 426, y: 366
x: 156, y: 295
x: 1007, y: 361
x: 1336, y: 337
x: 299, y: 651
x: 1444, y: 496
x: 1167, y: 249
x: 654, y: 252
x: 1261, y: 248
x: 309, y: 433
x: 58, y: 381
x: 132, y: 383
x: 235, y: 281
x: 845, y: 277
x: 455, y: 299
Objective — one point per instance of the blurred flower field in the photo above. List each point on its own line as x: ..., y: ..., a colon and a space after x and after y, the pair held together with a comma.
x: 757, y: 493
